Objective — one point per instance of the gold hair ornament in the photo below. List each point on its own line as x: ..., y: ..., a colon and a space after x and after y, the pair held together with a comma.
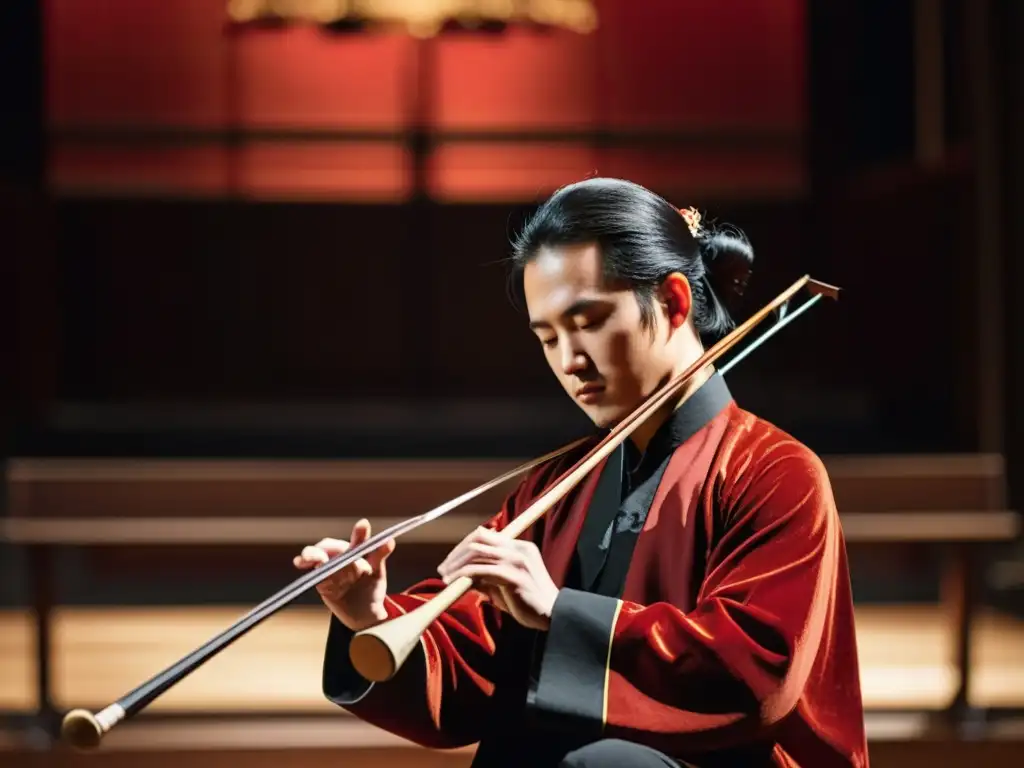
x: 692, y: 216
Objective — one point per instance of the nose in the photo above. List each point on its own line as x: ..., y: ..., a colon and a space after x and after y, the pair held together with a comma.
x: 573, y: 360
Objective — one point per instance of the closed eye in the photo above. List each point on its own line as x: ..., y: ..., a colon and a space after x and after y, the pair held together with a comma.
x: 587, y: 324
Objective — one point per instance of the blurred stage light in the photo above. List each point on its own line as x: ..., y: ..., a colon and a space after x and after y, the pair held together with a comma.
x: 421, y: 18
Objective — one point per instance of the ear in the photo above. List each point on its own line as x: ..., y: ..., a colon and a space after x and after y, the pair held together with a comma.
x: 675, y: 293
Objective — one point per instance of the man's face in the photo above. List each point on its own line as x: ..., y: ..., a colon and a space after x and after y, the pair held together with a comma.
x: 591, y: 333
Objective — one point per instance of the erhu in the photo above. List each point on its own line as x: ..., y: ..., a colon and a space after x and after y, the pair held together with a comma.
x: 377, y: 653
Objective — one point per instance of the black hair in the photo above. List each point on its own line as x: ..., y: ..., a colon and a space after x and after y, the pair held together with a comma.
x: 643, y: 238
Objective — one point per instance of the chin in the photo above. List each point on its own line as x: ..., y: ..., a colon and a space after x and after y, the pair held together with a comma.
x: 605, y: 417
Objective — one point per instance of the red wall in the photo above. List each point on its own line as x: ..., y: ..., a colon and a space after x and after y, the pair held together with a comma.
x: 701, y: 68
x: 199, y: 301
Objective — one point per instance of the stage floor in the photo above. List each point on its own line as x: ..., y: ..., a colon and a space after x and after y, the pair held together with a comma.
x: 99, y: 654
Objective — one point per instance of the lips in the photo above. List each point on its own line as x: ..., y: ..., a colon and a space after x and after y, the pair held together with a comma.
x: 589, y: 392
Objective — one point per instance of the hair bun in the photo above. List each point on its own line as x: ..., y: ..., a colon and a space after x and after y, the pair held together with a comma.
x: 728, y: 258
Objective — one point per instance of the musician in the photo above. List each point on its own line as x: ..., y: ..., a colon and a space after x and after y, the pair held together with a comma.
x: 689, y: 602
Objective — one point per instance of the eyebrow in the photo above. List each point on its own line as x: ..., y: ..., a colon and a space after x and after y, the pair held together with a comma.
x: 576, y: 308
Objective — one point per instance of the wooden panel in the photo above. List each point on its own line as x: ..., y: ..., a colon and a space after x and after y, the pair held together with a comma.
x: 359, y: 172
x: 177, y: 64
x: 250, y: 489
x: 703, y: 63
x: 493, y: 172
x: 522, y: 78
x: 470, y: 172
x: 305, y: 77
x: 875, y: 483
x: 193, y: 171
x: 355, y: 172
x: 180, y: 66
x: 656, y: 63
x: 122, y: 61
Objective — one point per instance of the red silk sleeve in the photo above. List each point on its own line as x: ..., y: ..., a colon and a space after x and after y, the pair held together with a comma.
x: 440, y: 697
x: 732, y: 669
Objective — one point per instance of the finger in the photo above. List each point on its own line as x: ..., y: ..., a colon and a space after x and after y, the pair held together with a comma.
x: 498, y: 574
x: 316, y: 556
x: 492, y: 537
x: 501, y: 552
x: 332, y: 546
x: 360, y: 532
x: 312, y: 556
x: 457, y: 555
x: 473, y: 552
x: 526, y: 547
x: 319, y: 553
x: 350, y: 573
x: 378, y: 556
x: 528, y: 553
x: 496, y: 539
x: 459, y: 548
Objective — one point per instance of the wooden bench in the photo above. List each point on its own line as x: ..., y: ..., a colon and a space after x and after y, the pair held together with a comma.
x: 954, y: 501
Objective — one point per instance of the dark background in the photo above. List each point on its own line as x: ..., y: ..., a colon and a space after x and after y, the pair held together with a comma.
x: 236, y: 293
x: 259, y: 254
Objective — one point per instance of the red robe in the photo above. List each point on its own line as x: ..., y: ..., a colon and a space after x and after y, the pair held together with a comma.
x: 727, y: 640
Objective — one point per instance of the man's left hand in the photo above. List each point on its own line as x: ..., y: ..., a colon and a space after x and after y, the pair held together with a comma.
x: 510, y: 572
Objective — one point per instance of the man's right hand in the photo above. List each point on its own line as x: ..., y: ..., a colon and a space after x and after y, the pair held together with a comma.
x: 356, y: 593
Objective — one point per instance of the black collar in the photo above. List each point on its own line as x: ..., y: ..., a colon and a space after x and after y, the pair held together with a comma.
x: 626, y: 490
x: 686, y: 420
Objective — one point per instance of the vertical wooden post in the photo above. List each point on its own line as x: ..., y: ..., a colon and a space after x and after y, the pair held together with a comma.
x: 959, y: 598
x: 988, y: 252
x: 929, y: 83
x: 1011, y: 160
x: 41, y: 568
x: 420, y: 339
